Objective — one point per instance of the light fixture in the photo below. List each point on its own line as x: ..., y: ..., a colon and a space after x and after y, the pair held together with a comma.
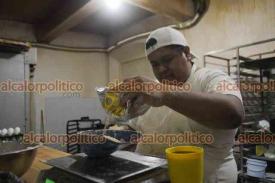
x: 113, y: 4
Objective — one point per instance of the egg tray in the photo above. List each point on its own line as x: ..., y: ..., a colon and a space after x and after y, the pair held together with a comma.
x: 7, y: 138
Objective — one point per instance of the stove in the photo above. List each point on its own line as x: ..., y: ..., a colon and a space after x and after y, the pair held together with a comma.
x: 121, y: 166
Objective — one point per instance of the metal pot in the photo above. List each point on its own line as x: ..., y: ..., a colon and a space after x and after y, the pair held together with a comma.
x: 16, y: 157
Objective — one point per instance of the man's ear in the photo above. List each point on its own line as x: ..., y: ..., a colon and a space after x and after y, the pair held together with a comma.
x: 186, y: 50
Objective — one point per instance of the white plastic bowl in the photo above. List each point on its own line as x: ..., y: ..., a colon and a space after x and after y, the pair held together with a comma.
x: 256, y: 168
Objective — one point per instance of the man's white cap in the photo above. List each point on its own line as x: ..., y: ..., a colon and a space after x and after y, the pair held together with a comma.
x: 164, y: 36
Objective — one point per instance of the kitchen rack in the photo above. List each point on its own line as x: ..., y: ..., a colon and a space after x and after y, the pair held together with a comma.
x: 256, y: 69
x: 78, y: 125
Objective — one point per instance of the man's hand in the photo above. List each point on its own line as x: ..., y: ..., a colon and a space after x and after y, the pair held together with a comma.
x: 138, y: 91
x: 141, y: 91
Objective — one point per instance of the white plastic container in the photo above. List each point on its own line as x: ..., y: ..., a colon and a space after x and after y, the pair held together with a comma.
x: 256, y: 168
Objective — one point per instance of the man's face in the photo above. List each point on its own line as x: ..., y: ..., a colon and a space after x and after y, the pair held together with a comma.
x: 170, y: 64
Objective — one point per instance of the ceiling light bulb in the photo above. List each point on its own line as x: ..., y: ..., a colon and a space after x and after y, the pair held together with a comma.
x: 113, y: 4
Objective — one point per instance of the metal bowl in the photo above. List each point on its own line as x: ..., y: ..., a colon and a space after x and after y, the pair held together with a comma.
x: 16, y: 157
x: 100, y: 147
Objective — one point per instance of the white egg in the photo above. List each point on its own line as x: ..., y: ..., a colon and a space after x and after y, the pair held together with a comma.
x: 17, y: 131
x: 4, y: 132
x: 10, y: 131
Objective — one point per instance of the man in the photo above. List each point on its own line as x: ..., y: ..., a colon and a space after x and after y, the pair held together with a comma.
x: 205, y: 108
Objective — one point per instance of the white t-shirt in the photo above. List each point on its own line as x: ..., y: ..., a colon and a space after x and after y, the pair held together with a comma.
x: 163, y: 120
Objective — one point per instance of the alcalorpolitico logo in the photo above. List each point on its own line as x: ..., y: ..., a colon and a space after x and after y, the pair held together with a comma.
x: 257, y: 138
x: 41, y: 87
x: 146, y: 138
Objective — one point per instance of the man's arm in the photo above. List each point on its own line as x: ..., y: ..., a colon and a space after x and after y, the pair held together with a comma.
x: 218, y: 111
x: 214, y: 110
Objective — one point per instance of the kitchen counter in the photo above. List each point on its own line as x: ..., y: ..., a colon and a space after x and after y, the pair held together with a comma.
x: 43, y: 153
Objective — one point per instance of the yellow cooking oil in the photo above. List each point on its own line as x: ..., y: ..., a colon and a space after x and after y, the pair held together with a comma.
x: 112, y: 104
